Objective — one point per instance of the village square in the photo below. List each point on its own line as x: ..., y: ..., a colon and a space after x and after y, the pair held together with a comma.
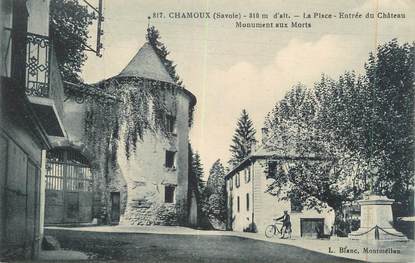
x: 109, y: 152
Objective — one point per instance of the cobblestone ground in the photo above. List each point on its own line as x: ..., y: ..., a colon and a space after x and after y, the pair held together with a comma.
x: 151, y: 247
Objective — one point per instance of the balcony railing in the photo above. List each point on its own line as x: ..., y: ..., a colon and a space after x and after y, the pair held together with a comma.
x: 37, y: 65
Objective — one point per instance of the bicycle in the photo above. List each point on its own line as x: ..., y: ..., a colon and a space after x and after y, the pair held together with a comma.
x: 273, y: 229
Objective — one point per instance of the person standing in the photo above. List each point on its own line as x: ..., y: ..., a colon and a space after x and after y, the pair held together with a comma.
x: 286, y: 224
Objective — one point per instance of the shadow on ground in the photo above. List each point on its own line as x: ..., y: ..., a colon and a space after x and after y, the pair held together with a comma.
x: 146, y: 247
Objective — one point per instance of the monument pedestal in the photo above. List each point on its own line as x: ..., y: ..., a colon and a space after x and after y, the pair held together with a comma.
x: 376, y: 220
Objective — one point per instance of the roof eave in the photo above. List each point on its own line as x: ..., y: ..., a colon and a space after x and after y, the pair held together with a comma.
x: 191, y: 96
x: 253, y: 157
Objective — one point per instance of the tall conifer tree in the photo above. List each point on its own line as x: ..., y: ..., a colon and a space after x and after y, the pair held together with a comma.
x: 153, y: 37
x: 243, y: 140
x: 197, y: 168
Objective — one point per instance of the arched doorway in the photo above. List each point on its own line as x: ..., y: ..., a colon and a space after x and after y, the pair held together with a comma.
x: 68, y: 187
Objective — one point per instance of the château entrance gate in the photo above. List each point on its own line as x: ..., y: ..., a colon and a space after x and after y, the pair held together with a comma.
x: 68, y: 188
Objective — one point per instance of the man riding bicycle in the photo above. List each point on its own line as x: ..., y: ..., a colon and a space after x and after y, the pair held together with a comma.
x: 286, y: 223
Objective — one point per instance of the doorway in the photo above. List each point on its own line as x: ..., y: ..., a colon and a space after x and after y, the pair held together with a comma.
x: 312, y: 227
x: 115, y: 208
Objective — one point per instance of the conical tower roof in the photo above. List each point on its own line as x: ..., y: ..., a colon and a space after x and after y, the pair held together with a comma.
x: 146, y: 64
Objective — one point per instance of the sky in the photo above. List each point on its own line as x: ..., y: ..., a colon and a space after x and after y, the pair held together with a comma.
x: 230, y: 69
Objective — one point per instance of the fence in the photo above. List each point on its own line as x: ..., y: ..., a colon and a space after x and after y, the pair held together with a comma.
x: 68, y: 187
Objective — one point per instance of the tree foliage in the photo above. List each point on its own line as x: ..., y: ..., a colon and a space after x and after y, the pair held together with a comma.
x: 196, y: 182
x: 390, y: 73
x: 361, y: 127
x: 153, y: 37
x: 215, y: 193
x: 69, y: 22
x: 326, y: 172
x: 198, y: 172
x: 141, y: 108
x: 243, y: 140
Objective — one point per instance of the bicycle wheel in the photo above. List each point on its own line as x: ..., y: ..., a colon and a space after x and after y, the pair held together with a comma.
x: 270, y: 231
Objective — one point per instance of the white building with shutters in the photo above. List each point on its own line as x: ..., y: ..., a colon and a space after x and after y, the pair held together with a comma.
x: 251, y: 208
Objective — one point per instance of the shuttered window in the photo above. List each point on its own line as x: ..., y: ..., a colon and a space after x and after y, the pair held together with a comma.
x: 237, y: 180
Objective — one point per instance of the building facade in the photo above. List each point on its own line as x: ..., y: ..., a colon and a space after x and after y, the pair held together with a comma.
x: 251, y: 208
x: 30, y: 114
x: 147, y: 185
x: 49, y: 172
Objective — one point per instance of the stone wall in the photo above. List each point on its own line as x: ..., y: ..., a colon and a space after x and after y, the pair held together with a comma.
x: 155, y: 213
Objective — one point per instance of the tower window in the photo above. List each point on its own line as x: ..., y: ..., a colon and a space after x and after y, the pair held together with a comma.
x: 169, y: 194
x: 238, y: 203
x: 247, y: 202
x: 170, y: 123
x: 170, y: 159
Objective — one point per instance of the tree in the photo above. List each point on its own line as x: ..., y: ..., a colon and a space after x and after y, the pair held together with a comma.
x: 243, y: 140
x: 153, y: 37
x: 215, y: 193
x: 69, y: 22
x: 373, y: 115
x: 196, y: 183
x: 196, y: 174
x: 197, y: 168
x: 362, y: 126
x: 327, y: 173
x: 390, y: 74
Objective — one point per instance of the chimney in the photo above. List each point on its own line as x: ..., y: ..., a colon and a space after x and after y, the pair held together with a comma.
x: 264, y: 135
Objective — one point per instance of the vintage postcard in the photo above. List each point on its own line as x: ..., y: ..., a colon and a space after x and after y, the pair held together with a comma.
x: 207, y: 131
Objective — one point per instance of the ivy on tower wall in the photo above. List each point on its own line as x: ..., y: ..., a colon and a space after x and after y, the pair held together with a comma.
x: 141, y: 108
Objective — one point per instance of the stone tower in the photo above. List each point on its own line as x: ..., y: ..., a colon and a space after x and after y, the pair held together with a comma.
x: 151, y: 186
